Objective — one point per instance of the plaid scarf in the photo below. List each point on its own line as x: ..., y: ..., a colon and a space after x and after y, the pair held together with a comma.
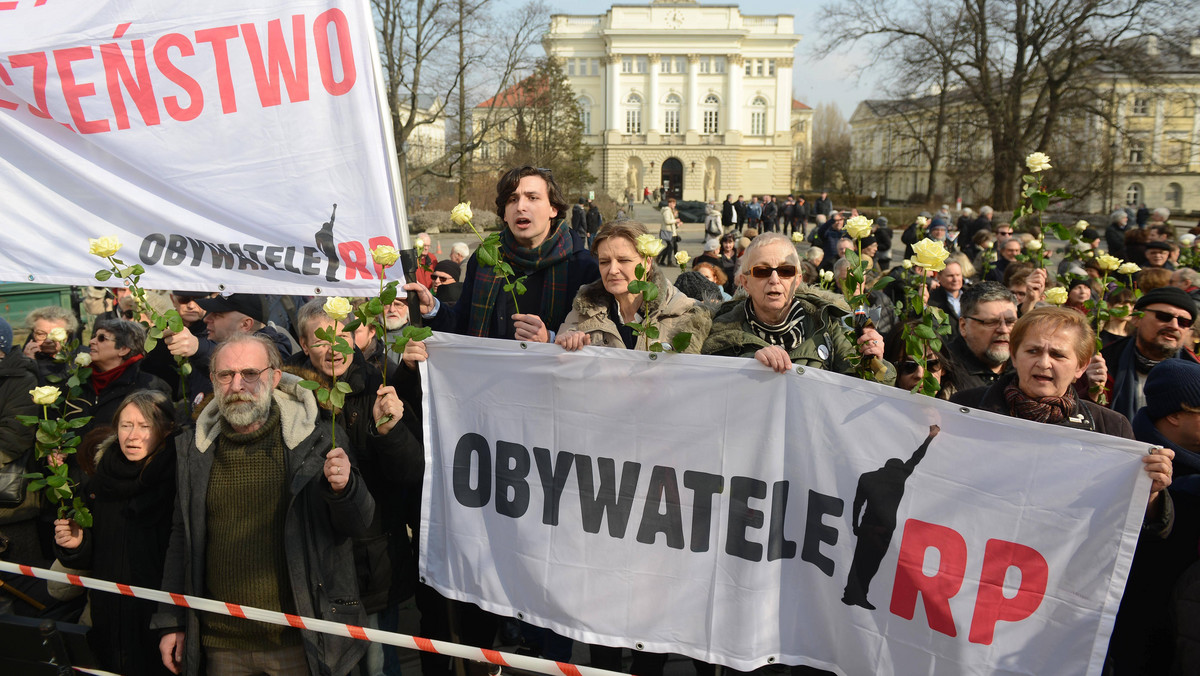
x: 1043, y: 409
x: 551, y: 256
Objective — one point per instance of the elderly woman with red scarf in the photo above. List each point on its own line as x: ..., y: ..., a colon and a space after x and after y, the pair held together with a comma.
x: 117, y: 348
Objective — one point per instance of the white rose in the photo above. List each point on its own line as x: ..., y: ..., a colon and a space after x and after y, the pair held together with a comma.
x: 45, y: 395
x: 103, y: 247
x: 384, y: 255
x: 1038, y: 162
x: 83, y: 359
x: 337, y: 308
x: 649, y: 245
x: 461, y: 214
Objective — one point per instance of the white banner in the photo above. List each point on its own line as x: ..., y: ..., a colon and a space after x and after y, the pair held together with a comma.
x: 213, y: 139
x: 710, y: 507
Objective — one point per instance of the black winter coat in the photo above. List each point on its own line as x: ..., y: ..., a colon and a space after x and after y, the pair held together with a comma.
x: 131, y: 505
x: 392, y: 466
x: 18, y: 375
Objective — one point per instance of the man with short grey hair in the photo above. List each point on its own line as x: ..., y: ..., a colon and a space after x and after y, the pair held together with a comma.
x: 980, y: 352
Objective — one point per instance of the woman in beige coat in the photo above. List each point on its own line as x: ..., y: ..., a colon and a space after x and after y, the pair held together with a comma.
x: 603, y: 310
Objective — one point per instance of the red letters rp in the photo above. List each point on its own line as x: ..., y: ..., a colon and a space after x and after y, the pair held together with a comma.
x: 991, y: 605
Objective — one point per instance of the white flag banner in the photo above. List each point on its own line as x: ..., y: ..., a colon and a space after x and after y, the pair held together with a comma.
x: 710, y: 507
x: 212, y: 139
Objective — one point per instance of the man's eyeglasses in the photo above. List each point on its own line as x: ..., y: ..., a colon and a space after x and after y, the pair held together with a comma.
x: 1182, y: 321
x: 444, y: 279
x: 764, y: 271
x: 994, y: 323
x: 1004, y: 232
x: 249, y: 376
x: 905, y: 368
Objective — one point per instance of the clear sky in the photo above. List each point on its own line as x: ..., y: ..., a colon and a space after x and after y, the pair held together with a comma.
x: 829, y: 80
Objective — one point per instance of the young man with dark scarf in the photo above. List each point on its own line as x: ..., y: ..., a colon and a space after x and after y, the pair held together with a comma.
x: 540, y: 246
x: 1165, y: 316
x: 537, y: 241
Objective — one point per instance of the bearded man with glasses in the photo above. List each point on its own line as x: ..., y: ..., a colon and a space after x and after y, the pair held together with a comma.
x: 1164, y: 319
x: 782, y: 322
x: 265, y: 509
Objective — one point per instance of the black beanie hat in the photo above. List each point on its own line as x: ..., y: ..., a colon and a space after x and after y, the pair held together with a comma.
x: 1171, y: 296
x: 1171, y: 383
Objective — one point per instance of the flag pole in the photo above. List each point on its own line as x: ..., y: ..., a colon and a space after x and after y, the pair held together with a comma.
x: 408, y: 254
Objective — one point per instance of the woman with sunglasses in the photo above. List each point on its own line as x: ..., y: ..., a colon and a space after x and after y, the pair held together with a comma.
x: 782, y: 322
x: 117, y: 348
x: 602, y: 310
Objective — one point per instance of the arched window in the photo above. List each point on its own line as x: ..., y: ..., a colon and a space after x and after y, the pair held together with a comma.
x: 1134, y: 195
x: 1174, y: 196
x: 671, y: 113
x: 633, y: 114
x: 758, y: 116
x: 585, y: 114
x: 712, y: 114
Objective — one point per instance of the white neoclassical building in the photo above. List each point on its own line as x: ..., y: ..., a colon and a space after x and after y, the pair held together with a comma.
x: 695, y: 99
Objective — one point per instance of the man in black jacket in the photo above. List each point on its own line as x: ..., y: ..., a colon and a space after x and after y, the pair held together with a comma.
x: 824, y: 206
x: 770, y: 214
x: 729, y: 214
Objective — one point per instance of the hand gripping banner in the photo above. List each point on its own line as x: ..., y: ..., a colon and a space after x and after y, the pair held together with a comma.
x: 710, y: 507
x: 212, y: 139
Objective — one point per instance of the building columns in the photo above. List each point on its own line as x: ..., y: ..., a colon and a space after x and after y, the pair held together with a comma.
x: 652, y: 122
x: 693, y: 92
x: 612, y: 118
x: 783, y: 97
x: 734, y: 65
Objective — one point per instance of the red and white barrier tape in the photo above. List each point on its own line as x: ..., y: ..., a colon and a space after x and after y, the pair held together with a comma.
x: 541, y: 666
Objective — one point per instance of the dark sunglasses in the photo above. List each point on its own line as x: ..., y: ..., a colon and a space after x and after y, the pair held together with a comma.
x: 103, y: 338
x: 906, y: 368
x: 1182, y: 322
x: 764, y: 271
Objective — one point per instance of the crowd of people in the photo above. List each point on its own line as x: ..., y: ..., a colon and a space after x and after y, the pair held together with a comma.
x: 230, y: 482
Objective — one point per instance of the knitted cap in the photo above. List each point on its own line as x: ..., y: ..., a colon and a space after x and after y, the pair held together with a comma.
x: 5, y: 335
x: 1171, y: 296
x: 695, y: 285
x: 1171, y: 383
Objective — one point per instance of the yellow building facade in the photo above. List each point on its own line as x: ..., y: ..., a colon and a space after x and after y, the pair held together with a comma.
x: 1146, y: 150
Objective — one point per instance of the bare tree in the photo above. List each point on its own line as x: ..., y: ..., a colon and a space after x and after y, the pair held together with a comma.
x: 1023, y: 64
x: 830, y: 148
x: 450, y: 51
x: 548, y: 128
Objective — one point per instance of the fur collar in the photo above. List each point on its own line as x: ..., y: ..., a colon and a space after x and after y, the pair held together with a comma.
x: 298, y: 413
